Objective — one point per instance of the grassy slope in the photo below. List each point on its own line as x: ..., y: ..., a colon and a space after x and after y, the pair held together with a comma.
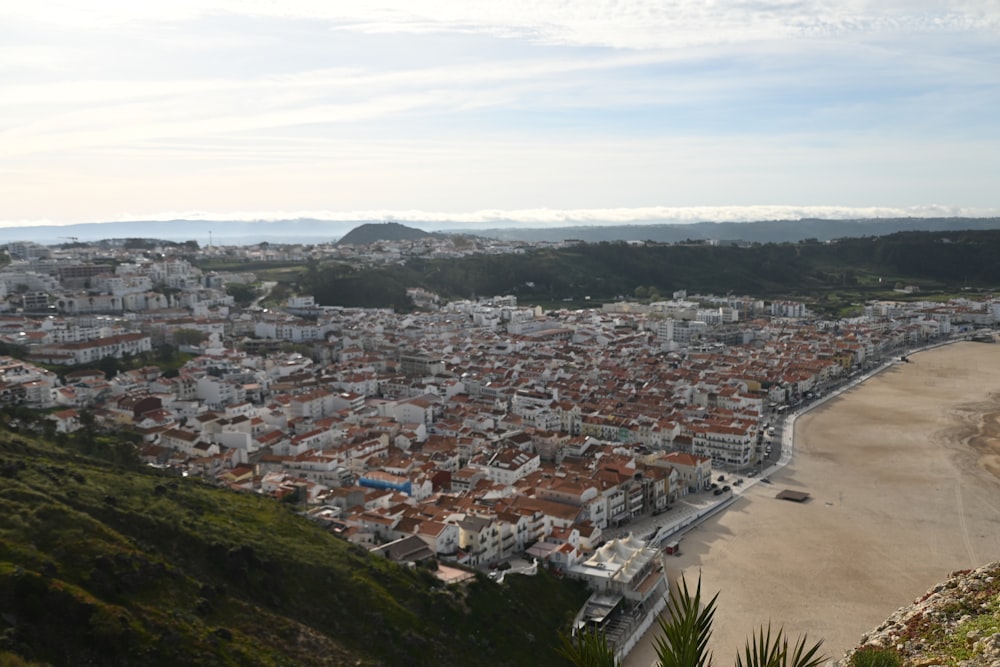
x: 103, y: 566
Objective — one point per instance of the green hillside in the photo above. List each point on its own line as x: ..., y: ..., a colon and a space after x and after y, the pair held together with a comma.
x: 845, y: 269
x: 111, y: 566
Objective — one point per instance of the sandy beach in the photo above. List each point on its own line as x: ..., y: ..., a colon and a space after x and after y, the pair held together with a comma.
x: 904, y: 477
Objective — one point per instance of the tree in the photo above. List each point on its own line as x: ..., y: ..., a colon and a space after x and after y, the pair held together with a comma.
x: 242, y: 294
x: 685, y: 630
x: 109, y: 366
x: 88, y: 430
x: 166, y: 354
x: 184, y: 336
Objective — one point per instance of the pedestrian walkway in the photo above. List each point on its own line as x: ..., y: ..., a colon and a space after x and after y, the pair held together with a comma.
x: 673, y: 523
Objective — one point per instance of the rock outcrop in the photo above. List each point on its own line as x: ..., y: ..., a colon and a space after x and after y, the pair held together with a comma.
x: 955, y: 623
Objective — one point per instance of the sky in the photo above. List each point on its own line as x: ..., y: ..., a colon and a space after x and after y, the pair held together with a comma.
x: 540, y: 111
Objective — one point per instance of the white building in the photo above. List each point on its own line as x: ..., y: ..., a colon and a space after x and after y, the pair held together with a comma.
x: 93, y: 350
x: 510, y: 464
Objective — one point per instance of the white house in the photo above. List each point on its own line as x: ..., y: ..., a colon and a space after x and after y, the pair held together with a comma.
x: 510, y: 464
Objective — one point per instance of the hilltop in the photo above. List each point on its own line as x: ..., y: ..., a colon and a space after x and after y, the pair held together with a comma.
x: 384, y: 231
x: 117, y: 566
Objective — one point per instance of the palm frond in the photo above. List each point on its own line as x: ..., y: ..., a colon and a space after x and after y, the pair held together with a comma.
x: 685, y: 629
x: 766, y: 650
x: 589, y: 649
x: 763, y: 650
x: 803, y: 657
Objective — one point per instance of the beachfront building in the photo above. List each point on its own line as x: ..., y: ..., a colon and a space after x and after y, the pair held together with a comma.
x: 725, y: 445
x: 629, y: 585
x: 693, y: 471
x: 625, y: 567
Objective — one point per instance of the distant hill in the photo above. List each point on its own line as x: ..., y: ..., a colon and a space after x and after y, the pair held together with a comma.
x: 839, y: 273
x: 764, y: 231
x: 309, y: 230
x: 382, y: 231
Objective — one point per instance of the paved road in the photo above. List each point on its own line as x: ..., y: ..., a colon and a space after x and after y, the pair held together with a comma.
x: 265, y: 291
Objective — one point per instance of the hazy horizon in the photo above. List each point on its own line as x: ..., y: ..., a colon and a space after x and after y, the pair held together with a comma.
x: 550, y: 218
x: 312, y: 230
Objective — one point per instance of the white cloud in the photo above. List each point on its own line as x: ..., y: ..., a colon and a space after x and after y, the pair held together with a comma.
x: 89, y: 113
x: 634, y: 24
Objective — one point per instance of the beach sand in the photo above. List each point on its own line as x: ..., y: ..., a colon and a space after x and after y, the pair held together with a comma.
x: 904, y: 477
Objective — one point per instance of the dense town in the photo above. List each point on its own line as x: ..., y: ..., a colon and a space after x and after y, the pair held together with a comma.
x: 470, y: 432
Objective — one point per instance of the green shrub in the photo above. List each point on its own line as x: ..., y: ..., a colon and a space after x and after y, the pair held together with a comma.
x: 873, y: 656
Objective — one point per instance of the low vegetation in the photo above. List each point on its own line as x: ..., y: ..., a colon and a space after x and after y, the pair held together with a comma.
x: 874, y: 656
x: 103, y: 564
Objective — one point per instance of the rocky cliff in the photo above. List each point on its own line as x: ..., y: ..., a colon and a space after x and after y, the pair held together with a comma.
x: 955, y: 623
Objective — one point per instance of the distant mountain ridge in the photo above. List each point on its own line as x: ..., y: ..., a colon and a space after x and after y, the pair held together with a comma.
x: 384, y: 231
x: 310, y: 230
x: 764, y: 231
